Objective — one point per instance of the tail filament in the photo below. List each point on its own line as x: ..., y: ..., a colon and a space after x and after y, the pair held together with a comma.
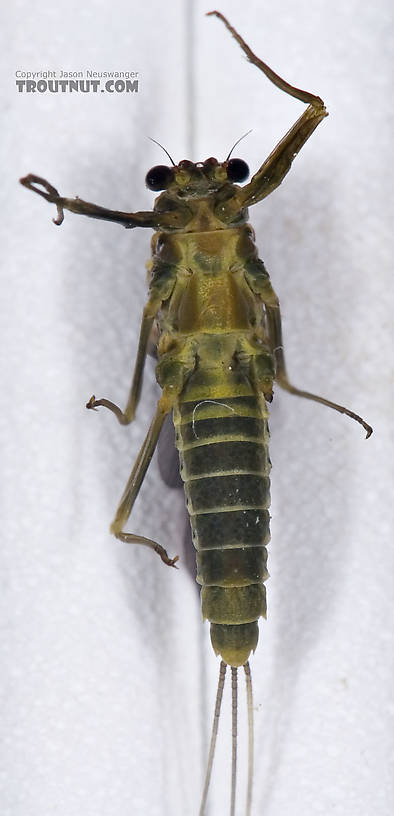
x: 215, y: 726
x: 234, y: 736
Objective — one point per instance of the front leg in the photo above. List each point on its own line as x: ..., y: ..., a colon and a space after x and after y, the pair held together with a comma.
x: 273, y: 170
x: 172, y: 219
x: 77, y: 205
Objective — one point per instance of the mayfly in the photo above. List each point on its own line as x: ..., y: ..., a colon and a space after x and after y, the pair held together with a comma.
x: 219, y: 349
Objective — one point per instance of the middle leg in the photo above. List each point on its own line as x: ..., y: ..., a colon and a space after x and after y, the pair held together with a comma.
x: 126, y: 416
x: 276, y: 341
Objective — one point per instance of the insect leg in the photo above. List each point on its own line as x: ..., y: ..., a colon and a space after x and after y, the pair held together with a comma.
x: 171, y: 374
x: 77, y: 205
x: 135, y: 481
x: 278, y: 163
x: 126, y: 416
x: 276, y: 341
x: 161, y: 286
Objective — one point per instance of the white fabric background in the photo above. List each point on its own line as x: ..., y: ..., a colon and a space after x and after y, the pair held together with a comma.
x: 108, y: 678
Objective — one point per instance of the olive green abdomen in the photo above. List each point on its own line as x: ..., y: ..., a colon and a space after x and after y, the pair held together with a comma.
x: 223, y: 449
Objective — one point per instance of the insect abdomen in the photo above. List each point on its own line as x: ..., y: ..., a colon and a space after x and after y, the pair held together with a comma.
x: 223, y: 448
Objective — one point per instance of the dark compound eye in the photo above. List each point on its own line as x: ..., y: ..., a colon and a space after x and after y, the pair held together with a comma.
x: 159, y: 177
x: 237, y: 170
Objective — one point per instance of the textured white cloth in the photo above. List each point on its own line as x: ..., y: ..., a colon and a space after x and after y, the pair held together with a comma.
x: 108, y: 678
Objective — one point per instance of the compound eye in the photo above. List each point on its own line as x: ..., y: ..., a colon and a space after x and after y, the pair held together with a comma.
x: 237, y: 170
x: 159, y: 177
